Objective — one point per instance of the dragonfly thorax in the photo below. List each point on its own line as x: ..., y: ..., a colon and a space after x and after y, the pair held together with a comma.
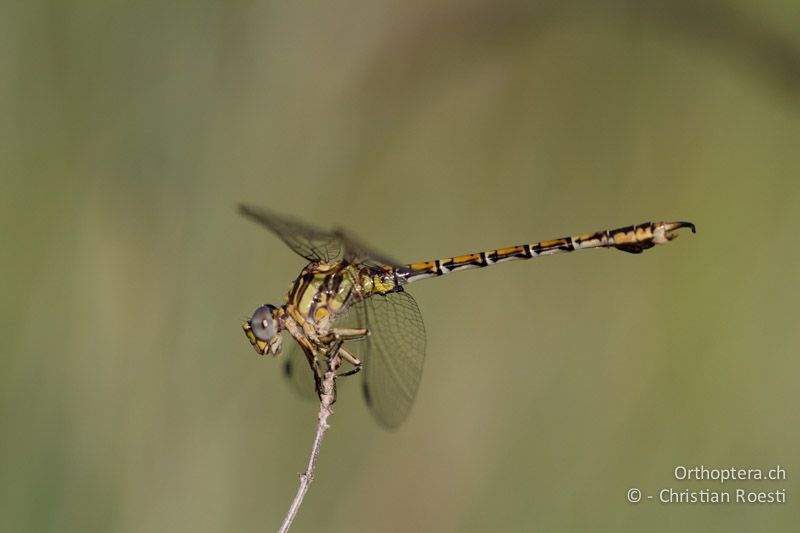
x: 322, y: 292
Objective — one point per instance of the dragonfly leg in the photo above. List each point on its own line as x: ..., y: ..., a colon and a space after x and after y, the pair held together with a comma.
x: 336, y: 348
x: 313, y: 362
x: 346, y: 334
x: 353, y: 360
x: 338, y: 336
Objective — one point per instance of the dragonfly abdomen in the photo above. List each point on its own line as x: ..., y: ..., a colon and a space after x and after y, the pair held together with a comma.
x: 632, y: 239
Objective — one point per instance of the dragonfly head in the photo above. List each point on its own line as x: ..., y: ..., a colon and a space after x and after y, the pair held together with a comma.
x: 263, y: 330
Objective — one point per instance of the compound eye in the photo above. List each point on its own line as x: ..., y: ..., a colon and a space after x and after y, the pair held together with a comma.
x: 262, y: 324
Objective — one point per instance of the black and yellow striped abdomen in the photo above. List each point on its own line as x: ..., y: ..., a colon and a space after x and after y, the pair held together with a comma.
x: 632, y: 239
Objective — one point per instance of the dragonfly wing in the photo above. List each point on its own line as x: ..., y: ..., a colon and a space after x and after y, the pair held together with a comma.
x: 307, y: 241
x: 356, y: 252
x: 393, y: 355
x: 298, y: 372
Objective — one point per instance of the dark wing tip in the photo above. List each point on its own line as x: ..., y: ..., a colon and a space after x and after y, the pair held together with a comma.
x: 245, y: 210
x: 366, y: 392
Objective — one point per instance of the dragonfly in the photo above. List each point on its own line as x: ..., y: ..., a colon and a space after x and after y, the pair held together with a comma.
x: 350, y: 300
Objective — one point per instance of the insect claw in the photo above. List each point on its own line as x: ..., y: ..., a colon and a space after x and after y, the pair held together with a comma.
x: 664, y: 231
x: 672, y: 226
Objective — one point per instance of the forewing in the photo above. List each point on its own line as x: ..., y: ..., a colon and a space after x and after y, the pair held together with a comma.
x: 307, y: 241
x: 393, y: 355
x: 356, y: 252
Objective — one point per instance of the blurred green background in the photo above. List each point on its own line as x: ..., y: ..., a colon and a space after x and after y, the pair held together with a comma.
x: 130, y: 401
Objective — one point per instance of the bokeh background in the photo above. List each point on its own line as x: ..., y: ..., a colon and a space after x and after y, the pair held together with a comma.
x: 130, y: 401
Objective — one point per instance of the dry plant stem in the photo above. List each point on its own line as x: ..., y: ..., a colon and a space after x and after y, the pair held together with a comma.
x: 326, y: 399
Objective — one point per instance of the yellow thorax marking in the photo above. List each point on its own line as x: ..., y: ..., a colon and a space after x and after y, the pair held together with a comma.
x: 382, y: 285
x: 320, y: 313
x: 307, y: 297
